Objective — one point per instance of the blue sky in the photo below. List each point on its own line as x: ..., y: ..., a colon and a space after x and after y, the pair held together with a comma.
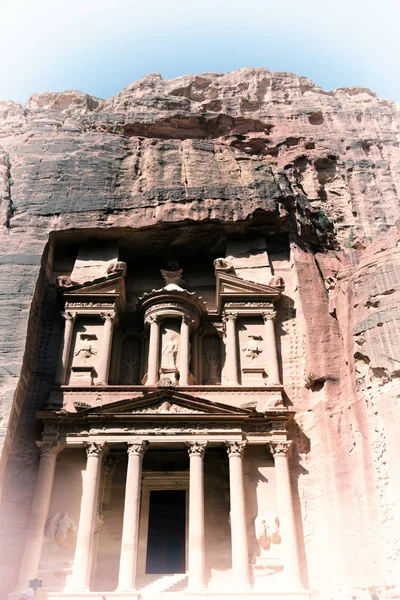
x: 100, y: 47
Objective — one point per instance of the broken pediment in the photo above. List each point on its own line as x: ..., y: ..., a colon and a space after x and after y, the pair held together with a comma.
x: 167, y: 402
x: 231, y: 287
x: 108, y: 289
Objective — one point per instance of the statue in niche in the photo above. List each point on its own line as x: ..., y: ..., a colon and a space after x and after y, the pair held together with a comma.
x: 267, y: 529
x: 252, y: 348
x: 212, y: 359
x: 130, y: 364
x: 169, y: 353
x: 85, y: 349
x: 60, y: 529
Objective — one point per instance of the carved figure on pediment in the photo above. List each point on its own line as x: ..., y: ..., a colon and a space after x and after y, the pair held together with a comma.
x: 277, y: 282
x: 169, y: 353
x: 60, y: 529
x: 166, y: 407
x: 252, y: 349
x: 65, y: 281
x: 267, y: 529
x: 222, y: 264
x: 116, y: 266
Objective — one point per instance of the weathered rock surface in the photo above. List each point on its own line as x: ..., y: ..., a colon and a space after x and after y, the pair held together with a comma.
x: 249, y: 146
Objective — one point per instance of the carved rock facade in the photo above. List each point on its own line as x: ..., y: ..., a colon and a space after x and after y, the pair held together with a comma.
x: 253, y: 382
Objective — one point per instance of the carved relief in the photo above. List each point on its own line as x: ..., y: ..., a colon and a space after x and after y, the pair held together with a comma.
x: 166, y: 408
x: 85, y: 347
x: 267, y: 529
x: 253, y: 348
x: 61, y: 529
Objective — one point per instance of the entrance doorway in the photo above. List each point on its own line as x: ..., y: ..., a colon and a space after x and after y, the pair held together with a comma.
x: 166, y: 534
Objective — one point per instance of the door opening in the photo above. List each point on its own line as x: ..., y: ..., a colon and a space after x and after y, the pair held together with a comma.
x: 167, y: 532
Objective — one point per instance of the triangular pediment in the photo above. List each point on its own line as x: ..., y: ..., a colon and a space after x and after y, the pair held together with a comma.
x: 167, y: 402
x: 100, y: 286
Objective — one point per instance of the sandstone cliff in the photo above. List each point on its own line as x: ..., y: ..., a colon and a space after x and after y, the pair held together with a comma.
x: 246, y: 147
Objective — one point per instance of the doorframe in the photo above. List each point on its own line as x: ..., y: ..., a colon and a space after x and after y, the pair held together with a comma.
x: 159, y: 480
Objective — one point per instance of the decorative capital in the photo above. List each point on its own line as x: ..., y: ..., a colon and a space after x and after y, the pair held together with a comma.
x: 137, y: 448
x: 68, y: 316
x: 280, y: 448
x: 108, y: 316
x: 95, y: 448
x: 235, y: 448
x: 187, y: 320
x: 269, y: 316
x: 150, y: 319
x: 232, y: 316
x: 196, y: 448
x: 49, y: 448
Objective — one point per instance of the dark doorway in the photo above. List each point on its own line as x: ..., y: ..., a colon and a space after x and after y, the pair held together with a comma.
x: 166, y: 538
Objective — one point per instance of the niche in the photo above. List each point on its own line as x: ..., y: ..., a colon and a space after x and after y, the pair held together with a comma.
x: 211, y: 359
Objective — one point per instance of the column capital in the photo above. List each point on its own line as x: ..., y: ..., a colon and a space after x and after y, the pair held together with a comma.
x: 68, y: 315
x: 108, y: 316
x: 95, y: 448
x: 269, y: 315
x: 150, y: 319
x: 279, y: 448
x: 231, y: 316
x: 137, y: 448
x: 49, y: 448
x: 187, y: 320
x: 196, y: 448
x: 235, y: 448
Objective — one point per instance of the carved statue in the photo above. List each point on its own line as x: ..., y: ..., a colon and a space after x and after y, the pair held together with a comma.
x: 60, y: 528
x: 222, y: 264
x: 267, y: 529
x: 252, y: 349
x: 65, y: 281
x: 116, y: 266
x: 277, y: 282
x: 170, y: 353
x: 213, y: 374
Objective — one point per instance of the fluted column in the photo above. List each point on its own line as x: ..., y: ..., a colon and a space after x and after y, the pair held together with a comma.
x: 39, y: 512
x: 66, y: 349
x: 154, y: 350
x: 130, y: 527
x: 80, y: 580
x: 271, y: 353
x: 231, y: 348
x: 240, y: 552
x: 184, y: 351
x: 105, y: 348
x: 291, y: 562
x: 196, y: 516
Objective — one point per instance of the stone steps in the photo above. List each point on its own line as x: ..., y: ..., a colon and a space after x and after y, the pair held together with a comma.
x: 167, y: 585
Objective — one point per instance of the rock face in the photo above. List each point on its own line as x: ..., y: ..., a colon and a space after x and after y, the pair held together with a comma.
x: 246, y: 149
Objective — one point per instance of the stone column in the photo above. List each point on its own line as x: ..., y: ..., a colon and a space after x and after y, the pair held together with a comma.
x: 130, y: 527
x: 231, y: 348
x: 240, y: 552
x: 184, y: 351
x: 66, y: 349
x: 195, y: 356
x: 272, y: 367
x: 105, y: 347
x: 80, y: 580
x: 196, y: 516
x: 291, y: 562
x: 39, y: 512
x: 154, y: 350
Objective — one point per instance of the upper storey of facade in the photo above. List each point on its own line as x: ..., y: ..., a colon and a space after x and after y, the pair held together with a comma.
x: 202, y: 320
